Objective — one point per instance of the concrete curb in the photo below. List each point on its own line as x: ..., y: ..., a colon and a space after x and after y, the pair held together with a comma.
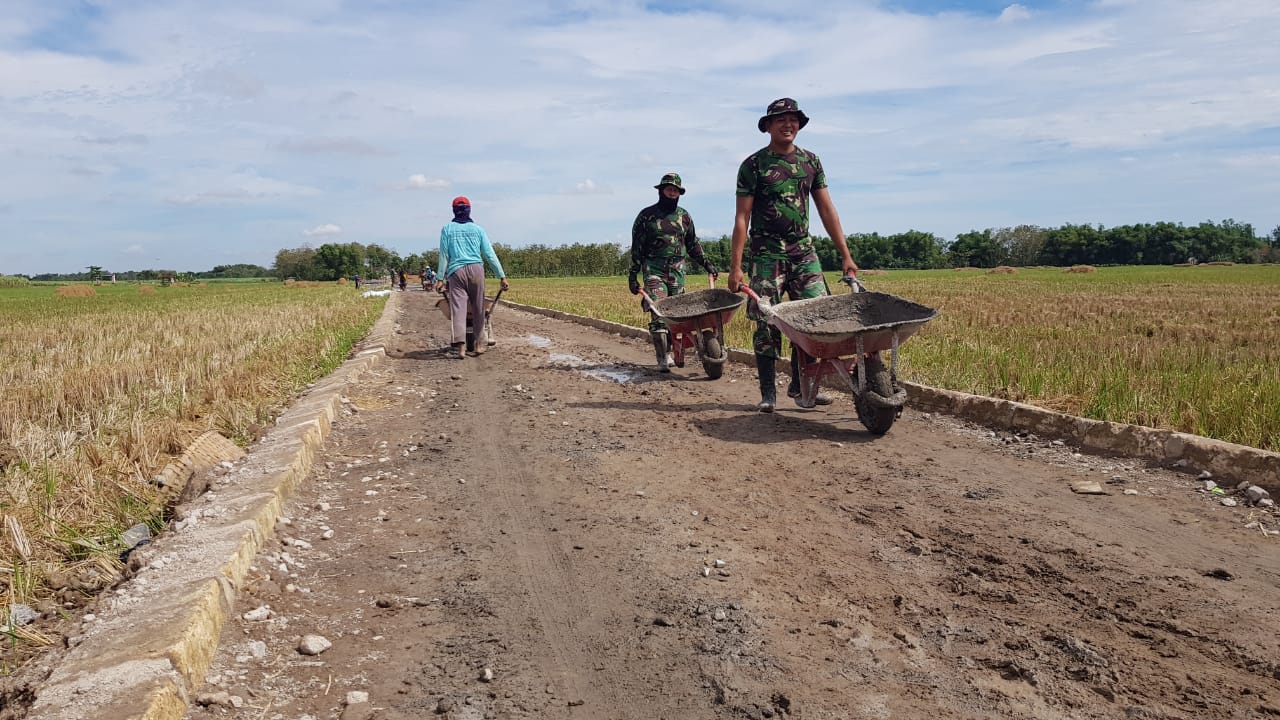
x: 148, y: 652
x: 1228, y: 462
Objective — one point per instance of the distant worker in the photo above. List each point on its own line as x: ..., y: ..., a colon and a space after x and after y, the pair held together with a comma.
x: 661, y: 236
x: 464, y: 248
x: 774, y: 187
x: 357, y: 282
x: 402, y: 279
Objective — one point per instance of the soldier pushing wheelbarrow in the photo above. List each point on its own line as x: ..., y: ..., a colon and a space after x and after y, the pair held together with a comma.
x: 661, y: 236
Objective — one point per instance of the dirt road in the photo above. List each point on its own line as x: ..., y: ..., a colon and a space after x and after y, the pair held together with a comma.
x: 553, y: 530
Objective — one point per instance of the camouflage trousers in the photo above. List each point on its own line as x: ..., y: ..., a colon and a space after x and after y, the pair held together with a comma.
x: 662, y: 278
x: 771, y: 278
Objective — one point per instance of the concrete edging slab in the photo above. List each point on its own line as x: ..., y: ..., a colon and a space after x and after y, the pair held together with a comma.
x: 147, y: 653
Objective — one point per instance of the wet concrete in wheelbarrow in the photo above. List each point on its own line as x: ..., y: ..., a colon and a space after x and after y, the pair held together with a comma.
x: 851, y: 312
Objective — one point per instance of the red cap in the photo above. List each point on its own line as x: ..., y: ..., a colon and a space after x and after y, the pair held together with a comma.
x: 461, y: 200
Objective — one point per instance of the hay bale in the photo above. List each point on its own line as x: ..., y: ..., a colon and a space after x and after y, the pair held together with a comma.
x: 1002, y: 270
x: 1081, y: 269
x: 76, y: 291
x: 342, y: 281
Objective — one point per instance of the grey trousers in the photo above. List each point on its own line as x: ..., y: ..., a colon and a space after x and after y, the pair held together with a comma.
x: 466, y: 295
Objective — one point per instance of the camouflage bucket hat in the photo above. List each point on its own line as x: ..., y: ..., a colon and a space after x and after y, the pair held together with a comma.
x: 672, y: 179
x: 781, y: 106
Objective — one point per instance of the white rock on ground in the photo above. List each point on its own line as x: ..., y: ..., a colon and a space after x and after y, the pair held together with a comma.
x: 313, y: 644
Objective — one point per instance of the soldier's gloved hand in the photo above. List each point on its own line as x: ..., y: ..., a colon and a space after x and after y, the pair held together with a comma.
x: 633, y: 284
x: 712, y: 271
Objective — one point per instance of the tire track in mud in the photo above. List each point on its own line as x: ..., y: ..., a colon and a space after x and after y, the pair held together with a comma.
x: 553, y: 611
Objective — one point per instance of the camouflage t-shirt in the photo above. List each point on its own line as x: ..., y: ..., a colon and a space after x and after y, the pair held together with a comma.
x: 781, y: 186
x: 656, y: 235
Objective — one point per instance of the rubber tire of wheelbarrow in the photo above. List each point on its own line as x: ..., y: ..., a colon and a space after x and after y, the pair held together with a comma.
x: 712, y: 349
x: 876, y: 419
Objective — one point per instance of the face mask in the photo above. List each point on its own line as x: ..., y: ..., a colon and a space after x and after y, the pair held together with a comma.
x: 462, y: 213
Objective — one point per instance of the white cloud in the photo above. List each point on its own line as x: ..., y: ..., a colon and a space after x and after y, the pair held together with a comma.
x: 589, y: 187
x: 323, y: 230
x: 1016, y: 12
x: 422, y: 182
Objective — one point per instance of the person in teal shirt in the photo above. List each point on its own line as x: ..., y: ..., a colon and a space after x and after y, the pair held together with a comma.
x: 464, y: 249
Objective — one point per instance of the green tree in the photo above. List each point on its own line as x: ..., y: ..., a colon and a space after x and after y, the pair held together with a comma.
x: 299, y: 263
x: 976, y: 249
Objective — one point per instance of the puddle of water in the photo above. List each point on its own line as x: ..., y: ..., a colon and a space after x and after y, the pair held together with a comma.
x: 538, y: 341
x: 612, y: 373
x: 617, y: 375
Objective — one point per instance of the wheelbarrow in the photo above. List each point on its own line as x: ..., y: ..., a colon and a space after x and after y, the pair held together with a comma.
x: 844, y: 335
x: 696, y: 320
x: 489, y: 304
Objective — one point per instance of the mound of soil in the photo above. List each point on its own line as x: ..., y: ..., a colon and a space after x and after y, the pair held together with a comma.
x: 697, y: 303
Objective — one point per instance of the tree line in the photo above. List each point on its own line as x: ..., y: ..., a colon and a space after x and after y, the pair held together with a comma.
x: 1024, y: 245
x: 1161, y: 243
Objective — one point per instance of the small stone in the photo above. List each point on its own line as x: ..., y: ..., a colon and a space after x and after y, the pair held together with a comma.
x: 221, y: 698
x: 313, y: 644
x: 720, y: 563
x: 21, y: 614
x: 1266, y: 503
x: 322, y: 507
x: 1130, y: 491
x: 257, y: 649
x: 719, y: 614
x: 1228, y: 502
x: 258, y: 614
x: 355, y: 697
x: 1210, y: 486
x: 487, y: 675
x: 326, y: 535
x: 1087, y: 487
x: 706, y: 572
x: 1204, y: 475
x: 461, y: 481
x: 1255, y: 494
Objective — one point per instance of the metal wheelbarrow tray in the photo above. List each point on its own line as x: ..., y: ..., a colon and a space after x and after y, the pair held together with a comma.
x: 699, y: 309
x: 834, y: 326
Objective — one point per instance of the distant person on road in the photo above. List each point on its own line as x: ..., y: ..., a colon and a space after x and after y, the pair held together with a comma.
x: 661, y: 236
x: 402, y: 279
x: 774, y: 187
x: 357, y: 282
x: 464, y: 248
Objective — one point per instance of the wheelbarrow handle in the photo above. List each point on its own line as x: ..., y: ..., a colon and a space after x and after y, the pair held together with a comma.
x: 496, y: 298
x: 653, y: 307
x: 765, y: 307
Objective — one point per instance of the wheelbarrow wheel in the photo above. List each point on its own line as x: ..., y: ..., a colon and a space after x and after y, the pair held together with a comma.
x: 876, y: 417
x: 712, y: 356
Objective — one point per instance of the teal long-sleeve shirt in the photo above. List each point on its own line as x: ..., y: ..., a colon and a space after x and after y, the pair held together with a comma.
x: 464, y: 244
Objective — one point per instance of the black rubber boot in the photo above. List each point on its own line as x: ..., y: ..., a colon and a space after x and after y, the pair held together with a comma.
x: 660, y: 350
x: 765, y: 368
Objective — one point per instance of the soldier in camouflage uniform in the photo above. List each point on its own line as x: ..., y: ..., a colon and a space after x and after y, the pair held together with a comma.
x: 660, y: 237
x: 774, y: 188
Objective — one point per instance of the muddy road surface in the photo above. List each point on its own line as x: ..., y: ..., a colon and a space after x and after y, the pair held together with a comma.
x: 553, y: 529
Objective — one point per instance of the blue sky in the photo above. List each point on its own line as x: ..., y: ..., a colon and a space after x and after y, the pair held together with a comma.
x: 185, y: 134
